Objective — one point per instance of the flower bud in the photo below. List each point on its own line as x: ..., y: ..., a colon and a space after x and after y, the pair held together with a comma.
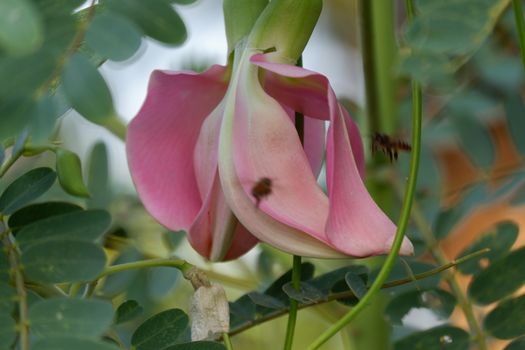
x: 286, y: 26
x: 239, y: 17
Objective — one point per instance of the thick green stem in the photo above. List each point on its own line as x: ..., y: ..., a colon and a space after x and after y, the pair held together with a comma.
x: 181, y: 265
x: 520, y: 25
x: 350, y: 294
x: 227, y: 341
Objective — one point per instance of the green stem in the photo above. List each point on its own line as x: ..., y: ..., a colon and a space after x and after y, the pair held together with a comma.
x: 292, y: 314
x: 350, y: 294
x: 14, y: 262
x: 401, y: 228
x: 181, y: 265
x: 227, y: 341
x: 518, y: 15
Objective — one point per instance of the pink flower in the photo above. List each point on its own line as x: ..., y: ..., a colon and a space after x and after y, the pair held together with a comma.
x: 200, y: 144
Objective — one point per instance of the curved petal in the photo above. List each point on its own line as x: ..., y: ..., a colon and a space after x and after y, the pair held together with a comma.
x: 161, y: 140
x: 351, y: 222
x: 216, y: 232
x: 258, y: 140
x: 314, y: 140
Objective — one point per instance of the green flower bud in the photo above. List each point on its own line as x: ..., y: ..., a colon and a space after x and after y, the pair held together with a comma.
x: 69, y: 173
x: 239, y: 18
x: 286, y: 26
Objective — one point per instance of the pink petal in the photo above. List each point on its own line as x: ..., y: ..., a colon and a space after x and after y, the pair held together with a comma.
x: 161, y: 140
x: 264, y: 145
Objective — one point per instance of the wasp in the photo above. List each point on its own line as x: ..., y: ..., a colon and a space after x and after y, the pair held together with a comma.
x: 388, y: 145
x: 261, y: 189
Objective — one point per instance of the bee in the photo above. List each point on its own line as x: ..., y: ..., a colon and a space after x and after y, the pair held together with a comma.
x: 261, y: 189
x: 388, y: 145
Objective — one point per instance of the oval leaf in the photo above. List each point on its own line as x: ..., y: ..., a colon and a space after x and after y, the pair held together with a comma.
x: 506, y: 320
x: 82, y: 225
x: 498, y: 242
x: 74, y: 317
x: 157, y: 19
x: 476, y: 141
x: 113, y: 36
x: 98, y: 177
x: 39, y: 211
x: 63, y: 261
x: 20, y: 27
x: 515, y: 110
x: 128, y: 310
x: 356, y: 284
x: 7, y: 329
x: 26, y: 188
x: 87, y: 91
x: 68, y: 343
x: 160, y: 331
x: 437, y: 300
x: 500, y: 279
x: 305, y: 294
x: 438, y: 338
x: 518, y: 344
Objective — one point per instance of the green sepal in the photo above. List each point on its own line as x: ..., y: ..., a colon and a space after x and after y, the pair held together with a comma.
x: 239, y: 18
x: 285, y: 26
x: 69, y: 171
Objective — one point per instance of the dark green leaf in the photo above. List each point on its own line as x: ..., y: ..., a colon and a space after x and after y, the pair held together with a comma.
x: 26, y: 188
x: 20, y: 27
x: 506, y: 320
x: 357, y: 284
x: 74, y: 317
x: 2, y: 154
x: 43, y: 120
x: 437, y: 300
x: 81, y: 225
x: 266, y: 301
x: 98, y: 178
x: 160, y: 331
x: 427, y: 68
x: 157, y: 18
x: 7, y: 328
x: 516, y: 121
x: 15, y: 113
x: 517, y: 344
x: 501, y: 278
x: 242, y: 310
x: 63, y: 261
x: 7, y: 297
x: 498, y: 242
x: 438, y: 338
x: 113, y: 36
x: 326, y: 281
x: 128, y: 310
x: 39, y: 211
x: 306, y: 293
x: 161, y: 280
x: 69, y: 343
x: 476, y: 141
x: 276, y: 288
x: 342, y: 287
x: 87, y: 91
x: 198, y: 345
